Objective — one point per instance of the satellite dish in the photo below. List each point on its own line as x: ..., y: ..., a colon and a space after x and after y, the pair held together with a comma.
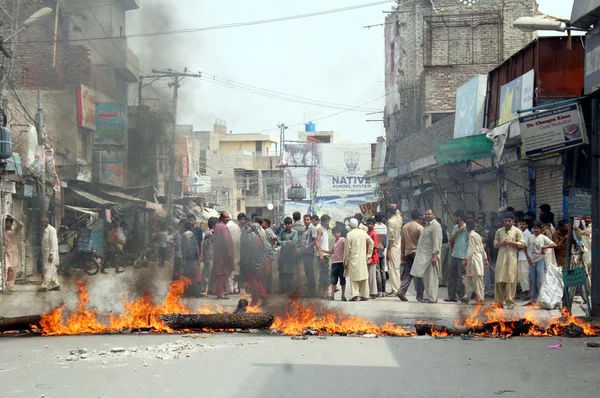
x: 270, y: 206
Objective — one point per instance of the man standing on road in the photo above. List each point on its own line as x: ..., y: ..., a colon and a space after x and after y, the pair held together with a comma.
x: 323, y: 253
x: 11, y: 250
x: 373, y: 261
x: 114, y: 247
x: 525, y: 226
x: 411, y: 232
x: 236, y: 234
x: 223, y: 261
x: 474, y: 261
x: 288, y: 240
x: 561, y: 238
x: 394, y: 248
x: 427, y: 258
x: 456, y: 272
x: 359, y: 247
x: 381, y: 231
x: 308, y: 254
x: 299, y: 227
x: 509, y: 240
x: 50, y: 257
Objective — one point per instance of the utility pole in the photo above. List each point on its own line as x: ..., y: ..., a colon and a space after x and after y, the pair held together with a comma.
x: 170, y: 183
x: 42, y: 183
x: 282, y: 128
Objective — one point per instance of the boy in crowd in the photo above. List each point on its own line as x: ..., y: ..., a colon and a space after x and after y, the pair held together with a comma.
x: 337, y: 264
x: 537, y: 243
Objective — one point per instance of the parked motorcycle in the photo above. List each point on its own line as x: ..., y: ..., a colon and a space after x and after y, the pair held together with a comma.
x: 90, y: 262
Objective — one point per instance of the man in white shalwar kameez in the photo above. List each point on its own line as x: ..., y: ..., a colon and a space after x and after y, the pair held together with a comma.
x: 394, y: 249
x: 359, y: 247
x: 236, y: 236
x: 427, y: 259
x: 474, y: 261
x: 50, y: 257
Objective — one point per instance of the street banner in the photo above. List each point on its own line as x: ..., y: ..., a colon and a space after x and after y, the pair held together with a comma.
x: 553, y: 130
x: 86, y: 107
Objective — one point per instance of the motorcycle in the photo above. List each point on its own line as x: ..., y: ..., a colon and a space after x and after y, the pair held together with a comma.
x: 90, y: 262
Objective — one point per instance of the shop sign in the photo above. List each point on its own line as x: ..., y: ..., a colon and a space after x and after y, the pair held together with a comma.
x: 86, y: 107
x: 516, y: 95
x: 553, y: 130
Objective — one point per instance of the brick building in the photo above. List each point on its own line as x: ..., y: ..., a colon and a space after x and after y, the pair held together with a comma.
x: 432, y: 48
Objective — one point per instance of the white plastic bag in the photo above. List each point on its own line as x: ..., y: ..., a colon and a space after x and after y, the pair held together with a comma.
x: 551, y: 293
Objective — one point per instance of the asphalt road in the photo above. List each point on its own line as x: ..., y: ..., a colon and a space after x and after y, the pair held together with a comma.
x: 242, y: 365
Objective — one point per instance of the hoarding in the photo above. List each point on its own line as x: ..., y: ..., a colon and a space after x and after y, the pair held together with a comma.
x: 470, y: 107
x: 592, y: 62
x: 515, y: 96
x: 112, y: 171
x: 110, y: 123
x: 86, y: 107
x: 334, y: 170
x: 552, y: 130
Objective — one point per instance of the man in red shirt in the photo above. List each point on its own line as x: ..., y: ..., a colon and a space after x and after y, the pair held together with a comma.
x: 374, y: 260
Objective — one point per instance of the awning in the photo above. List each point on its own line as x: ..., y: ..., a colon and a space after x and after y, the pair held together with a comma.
x: 90, y: 197
x: 465, y: 148
x: 82, y: 210
x: 157, y: 207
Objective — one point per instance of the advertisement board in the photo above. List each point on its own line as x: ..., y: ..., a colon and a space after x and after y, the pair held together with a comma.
x: 112, y: 171
x: 110, y: 123
x: 515, y: 96
x: 553, y: 130
x: 334, y: 170
x: 592, y: 62
x: 86, y: 107
x: 470, y: 107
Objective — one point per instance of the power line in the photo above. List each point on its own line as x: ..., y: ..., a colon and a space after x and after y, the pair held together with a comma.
x: 241, y: 24
x: 292, y: 98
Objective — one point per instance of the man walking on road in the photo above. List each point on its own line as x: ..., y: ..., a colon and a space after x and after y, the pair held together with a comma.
x: 359, y: 247
x: 456, y: 272
x: 394, y: 245
x: 427, y: 258
x: 323, y: 253
x: 411, y: 232
x: 50, y: 257
x: 509, y: 240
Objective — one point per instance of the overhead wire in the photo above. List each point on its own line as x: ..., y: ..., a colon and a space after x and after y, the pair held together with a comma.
x: 242, y: 24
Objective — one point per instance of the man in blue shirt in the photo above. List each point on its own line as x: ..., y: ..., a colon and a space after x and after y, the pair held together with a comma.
x: 460, y: 239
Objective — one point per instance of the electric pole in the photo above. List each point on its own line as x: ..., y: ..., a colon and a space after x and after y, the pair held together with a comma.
x: 170, y: 181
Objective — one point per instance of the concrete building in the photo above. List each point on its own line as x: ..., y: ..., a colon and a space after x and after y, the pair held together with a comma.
x: 323, y: 137
x: 238, y: 172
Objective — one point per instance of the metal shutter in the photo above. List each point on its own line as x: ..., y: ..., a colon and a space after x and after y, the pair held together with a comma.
x: 548, y: 184
x: 26, y: 251
x: 517, y: 188
x: 490, y: 197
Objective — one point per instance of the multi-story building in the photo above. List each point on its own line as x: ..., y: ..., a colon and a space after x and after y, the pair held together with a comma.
x: 238, y: 172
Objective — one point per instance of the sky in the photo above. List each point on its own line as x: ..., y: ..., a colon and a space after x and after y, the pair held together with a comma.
x: 330, y: 58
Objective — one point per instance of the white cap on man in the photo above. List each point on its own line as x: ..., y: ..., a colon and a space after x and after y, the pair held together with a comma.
x: 353, y: 223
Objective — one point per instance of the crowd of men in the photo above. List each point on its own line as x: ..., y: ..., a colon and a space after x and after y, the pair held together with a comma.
x: 504, y: 258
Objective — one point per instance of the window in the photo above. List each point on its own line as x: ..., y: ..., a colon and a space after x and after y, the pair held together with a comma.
x: 259, y: 146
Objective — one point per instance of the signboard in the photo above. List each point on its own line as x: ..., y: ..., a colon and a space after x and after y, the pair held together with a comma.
x: 552, y: 130
x: 335, y: 170
x: 516, y: 95
x: 470, y: 107
x: 592, y: 62
x: 580, y: 203
x: 368, y: 209
x: 86, y: 107
x: 112, y: 171
x: 110, y: 123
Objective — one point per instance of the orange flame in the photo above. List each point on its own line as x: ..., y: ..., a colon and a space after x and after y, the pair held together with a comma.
x: 300, y: 318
